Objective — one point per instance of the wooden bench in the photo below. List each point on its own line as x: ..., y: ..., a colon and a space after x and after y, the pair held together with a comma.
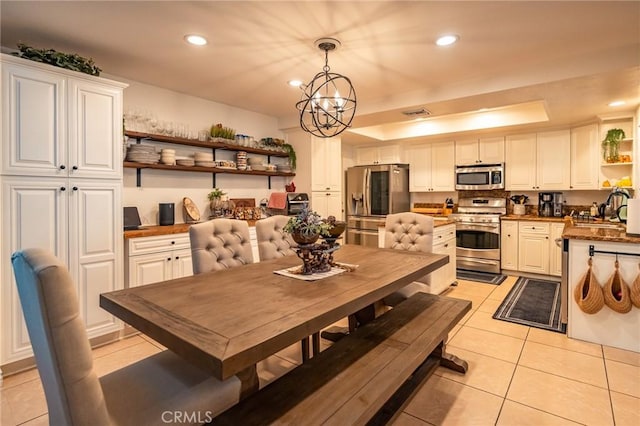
x: 354, y: 380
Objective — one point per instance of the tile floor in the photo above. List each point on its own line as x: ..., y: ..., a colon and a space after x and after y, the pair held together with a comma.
x: 517, y: 375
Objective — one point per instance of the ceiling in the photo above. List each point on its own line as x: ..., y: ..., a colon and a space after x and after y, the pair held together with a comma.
x: 574, y: 56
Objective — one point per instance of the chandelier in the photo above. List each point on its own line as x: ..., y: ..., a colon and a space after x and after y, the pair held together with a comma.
x: 329, y: 101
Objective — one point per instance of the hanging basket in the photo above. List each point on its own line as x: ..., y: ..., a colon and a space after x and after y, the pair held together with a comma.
x: 616, y: 293
x: 588, y: 293
x: 635, y: 292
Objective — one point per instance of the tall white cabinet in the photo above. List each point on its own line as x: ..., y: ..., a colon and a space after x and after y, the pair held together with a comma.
x: 326, y: 177
x: 60, y: 182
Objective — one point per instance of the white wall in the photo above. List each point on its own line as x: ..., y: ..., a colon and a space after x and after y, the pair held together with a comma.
x: 163, y: 186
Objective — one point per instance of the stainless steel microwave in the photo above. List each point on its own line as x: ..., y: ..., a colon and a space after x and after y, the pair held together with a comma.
x: 485, y: 176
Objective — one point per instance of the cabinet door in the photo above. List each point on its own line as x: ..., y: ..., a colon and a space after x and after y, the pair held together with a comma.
x: 388, y: 154
x: 419, y: 158
x: 442, y: 166
x: 95, y: 248
x: 95, y: 130
x: 552, y: 159
x: 585, y: 157
x: 520, y: 163
x: 509, y: 245
x: 183, y: 264
x: 34, y: 122
x: 326, y: 165
x: 491, y: 150
x: 366, y: 155
x: 555, y: 249
x: 34, y: 215
x: 327, y: 204
x: 150, y: 268
x: 533, y: 253
x: 466, y: 152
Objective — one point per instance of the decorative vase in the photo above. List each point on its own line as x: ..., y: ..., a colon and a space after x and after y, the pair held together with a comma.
x: 216, y: 206
x: 304, y: 239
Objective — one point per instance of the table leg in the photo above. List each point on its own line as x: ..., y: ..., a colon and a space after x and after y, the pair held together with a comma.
x: 450, y: 361
x: 249, y: 382
x: 315, y: 343
x: 304, y: 343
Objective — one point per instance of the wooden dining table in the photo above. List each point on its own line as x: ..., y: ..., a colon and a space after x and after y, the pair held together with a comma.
x: 227, y: 321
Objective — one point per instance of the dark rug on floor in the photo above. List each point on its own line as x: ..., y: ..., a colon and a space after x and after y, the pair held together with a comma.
x: 533, y: 302
x: 483, y: 277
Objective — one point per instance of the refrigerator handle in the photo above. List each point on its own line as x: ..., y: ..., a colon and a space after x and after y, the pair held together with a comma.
x: 367, y: 192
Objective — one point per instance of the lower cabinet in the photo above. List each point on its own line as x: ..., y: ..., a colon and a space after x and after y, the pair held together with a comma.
x: 530, y: 246
x: 157, y: 258
x: 327, y: 203
x: 444, y: 242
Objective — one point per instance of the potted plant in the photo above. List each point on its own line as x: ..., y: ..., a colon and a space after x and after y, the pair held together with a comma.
x: 288, y: 148
x: 215, y: 201
x: 611, y: 145
x: 306, y: 227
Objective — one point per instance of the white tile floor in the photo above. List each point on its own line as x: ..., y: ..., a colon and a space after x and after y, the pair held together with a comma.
x: 517, y: 375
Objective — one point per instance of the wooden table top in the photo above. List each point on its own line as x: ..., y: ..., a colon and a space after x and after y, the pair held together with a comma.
x: 226, y: 321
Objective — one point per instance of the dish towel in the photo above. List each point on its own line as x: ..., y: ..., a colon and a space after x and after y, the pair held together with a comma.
x: 278, y: 200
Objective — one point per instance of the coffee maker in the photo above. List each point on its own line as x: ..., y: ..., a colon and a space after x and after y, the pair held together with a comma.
x: 550, y: 204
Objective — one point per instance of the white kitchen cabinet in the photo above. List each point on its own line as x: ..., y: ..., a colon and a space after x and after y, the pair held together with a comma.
x: 538, y: 161
x: 157, y: 258
x: 509, y: 245
x: 431, y: 167
x: 78, y: 220
x: 59, y: 123
x: 326, y: 172
x: 444, y: 242
x: 327, y: 204
x: 533, y: 247
x: 555, y: 249
x: 387, y: 154
x: 585, y: 157
x: 480, y: 151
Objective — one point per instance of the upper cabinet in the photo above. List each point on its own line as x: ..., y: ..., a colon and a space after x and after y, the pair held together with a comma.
x: 480, y: 151
x: 326, y: 172
x: 59, y: 124
x: 431, y: 167
x: 585, y: 157
x: 538, y: 161
x: 387, y: 154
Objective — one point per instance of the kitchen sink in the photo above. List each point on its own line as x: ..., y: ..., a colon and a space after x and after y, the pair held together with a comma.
x: 600, y: 225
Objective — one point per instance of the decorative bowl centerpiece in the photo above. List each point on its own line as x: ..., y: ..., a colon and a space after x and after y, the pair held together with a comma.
x: 306, y: 227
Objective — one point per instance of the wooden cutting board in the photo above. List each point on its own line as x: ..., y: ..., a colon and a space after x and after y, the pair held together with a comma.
x: 427, y: 210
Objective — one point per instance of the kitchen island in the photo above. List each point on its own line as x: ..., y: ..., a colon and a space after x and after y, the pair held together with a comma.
x: 606, y: 327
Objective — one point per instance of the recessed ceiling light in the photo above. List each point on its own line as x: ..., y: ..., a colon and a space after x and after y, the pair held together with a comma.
x: 295, y: 83
x: 617, y: 103
x: 447, y: 40
x: 196, y: 40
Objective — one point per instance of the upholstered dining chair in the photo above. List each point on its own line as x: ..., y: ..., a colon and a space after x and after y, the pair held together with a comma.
x: 273, y: 242
x: 413, y: 232
x: 220, y: 244
x: 139, y: 394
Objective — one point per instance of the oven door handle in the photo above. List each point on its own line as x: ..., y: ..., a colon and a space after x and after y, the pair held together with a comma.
x: 470, y: 227
x: 485, y: 262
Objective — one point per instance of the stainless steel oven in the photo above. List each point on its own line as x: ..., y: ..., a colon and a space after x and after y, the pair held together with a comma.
x: 478, y: 233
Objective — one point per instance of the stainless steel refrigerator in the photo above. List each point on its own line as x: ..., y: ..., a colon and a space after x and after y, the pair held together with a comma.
x: 373, y: 192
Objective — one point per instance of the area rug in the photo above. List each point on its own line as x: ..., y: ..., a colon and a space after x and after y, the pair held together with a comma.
x: 533, y: 302
x: 483, y: 277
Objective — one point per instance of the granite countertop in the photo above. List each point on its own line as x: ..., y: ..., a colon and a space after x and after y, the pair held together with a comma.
x: 531, y: 217
x: 155, y: 230
x: 584, y: 232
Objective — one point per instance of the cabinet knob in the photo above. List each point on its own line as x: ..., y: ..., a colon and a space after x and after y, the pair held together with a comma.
x: 62, y: 167
x: 177, y: 257
x: 62, y: 188
x: 173, y: 242
x: 509, y: 235
x: 446, y: 245
x: 74, y: 168
x: 75, y: 188
x: 168, y: 259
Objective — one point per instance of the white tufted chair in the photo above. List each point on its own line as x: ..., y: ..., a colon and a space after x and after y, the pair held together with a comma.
x: 220, y: 244
x: 273, y: 242
x: 138, y: 394
x: 412, y: 232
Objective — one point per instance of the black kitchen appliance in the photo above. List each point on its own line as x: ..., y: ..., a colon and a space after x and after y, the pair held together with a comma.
x: 550, y: 204
x: 131, y: 218
x: 167, y: 214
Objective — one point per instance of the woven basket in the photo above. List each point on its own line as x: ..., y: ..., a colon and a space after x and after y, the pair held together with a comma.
x: 616, y: 293
x: 635, y: 292
x: 588, y: 293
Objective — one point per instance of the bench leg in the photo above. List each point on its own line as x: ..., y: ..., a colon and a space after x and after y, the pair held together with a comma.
x: 249, y: 382
x: 304, y: 343
x: 450, y: 361
x: 315, y: 343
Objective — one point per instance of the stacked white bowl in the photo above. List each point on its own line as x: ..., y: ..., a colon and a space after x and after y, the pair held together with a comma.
x: 168, y: 156
x: 204, y: 159
x: 241, y: 160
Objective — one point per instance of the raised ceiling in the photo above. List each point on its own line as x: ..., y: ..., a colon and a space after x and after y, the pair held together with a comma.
x: 575, y: 56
